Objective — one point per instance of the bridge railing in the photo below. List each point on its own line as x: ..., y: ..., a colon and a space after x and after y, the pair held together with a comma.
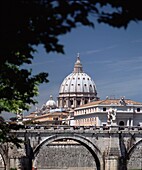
x: 65, y: 127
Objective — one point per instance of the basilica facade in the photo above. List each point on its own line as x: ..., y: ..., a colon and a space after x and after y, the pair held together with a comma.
x: 79, y: 105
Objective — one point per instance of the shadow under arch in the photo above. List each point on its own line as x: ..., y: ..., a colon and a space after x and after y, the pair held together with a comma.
x: 131, y: 150
x: 96, y: 153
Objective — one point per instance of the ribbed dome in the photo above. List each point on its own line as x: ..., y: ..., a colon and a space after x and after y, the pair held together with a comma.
x: 51, y: 103
x: 77, y: 88
x: 78, y: 82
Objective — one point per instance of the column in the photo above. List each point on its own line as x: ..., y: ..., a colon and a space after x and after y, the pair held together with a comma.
x: 131, y: 122
x: 128, y: 123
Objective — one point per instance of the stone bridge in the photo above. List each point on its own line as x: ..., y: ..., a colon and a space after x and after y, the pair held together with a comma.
x: 100, y: 148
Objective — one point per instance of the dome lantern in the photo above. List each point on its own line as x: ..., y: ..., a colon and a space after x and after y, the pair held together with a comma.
x: 78, y: 66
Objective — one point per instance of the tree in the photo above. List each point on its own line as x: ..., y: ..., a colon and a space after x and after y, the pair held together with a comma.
x: 121, y: 14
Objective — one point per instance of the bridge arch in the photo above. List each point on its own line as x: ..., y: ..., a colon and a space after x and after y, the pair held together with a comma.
x: 131, y: 150
x: 93, y: 149
x: 2, y: 158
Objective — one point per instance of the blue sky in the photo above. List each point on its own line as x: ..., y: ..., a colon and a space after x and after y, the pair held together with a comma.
x: 111, y: 56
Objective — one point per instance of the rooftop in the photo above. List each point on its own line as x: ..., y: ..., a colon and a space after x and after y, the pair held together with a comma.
x: 117, y: 102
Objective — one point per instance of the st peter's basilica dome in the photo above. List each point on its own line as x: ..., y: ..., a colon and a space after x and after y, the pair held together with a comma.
x: 77, y: 88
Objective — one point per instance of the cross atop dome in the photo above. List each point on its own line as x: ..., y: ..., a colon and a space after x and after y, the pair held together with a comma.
x: 78, y: 66
x: 51, y: 98
x: 78, y: 55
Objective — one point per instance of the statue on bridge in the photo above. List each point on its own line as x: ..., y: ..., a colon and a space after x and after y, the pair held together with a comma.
x: 111, y: 117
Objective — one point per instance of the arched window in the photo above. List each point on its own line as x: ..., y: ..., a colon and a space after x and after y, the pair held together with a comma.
x: 78, y: 102
x: 71, y: 102
x: 121, y: 123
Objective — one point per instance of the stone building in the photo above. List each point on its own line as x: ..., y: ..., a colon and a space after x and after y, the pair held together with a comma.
x: 48, y: 114
x: 122, y: 112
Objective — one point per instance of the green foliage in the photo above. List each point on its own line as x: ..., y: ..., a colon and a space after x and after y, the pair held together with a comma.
x: 121, y: 12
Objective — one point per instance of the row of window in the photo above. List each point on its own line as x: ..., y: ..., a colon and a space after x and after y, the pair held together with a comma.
x: 91, y: 110
x: 78, y: 85
x: 87, y: 119
x: 77, y: 101
x: 79, y: 78
x: 85, y: 111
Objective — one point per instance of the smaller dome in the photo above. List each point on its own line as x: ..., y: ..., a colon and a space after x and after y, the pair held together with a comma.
x: 51, y: 104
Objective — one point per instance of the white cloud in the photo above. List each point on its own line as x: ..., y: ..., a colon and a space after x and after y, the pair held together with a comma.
x: 127, y: 64
x: 99, y: 50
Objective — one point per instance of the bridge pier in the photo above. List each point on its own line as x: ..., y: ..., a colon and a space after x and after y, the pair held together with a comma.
x: 15, y: 163
x: 111, y: 162
x: 113, y: 152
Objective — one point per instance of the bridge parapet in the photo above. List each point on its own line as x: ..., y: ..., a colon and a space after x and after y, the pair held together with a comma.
x: 82, y: 129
